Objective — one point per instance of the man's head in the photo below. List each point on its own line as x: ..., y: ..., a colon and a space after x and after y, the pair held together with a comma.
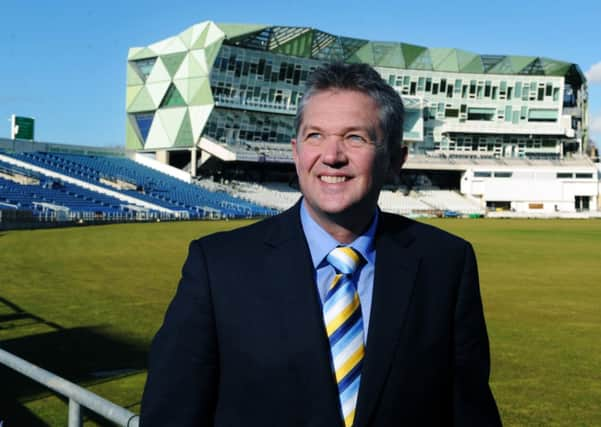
x: 349, y: 129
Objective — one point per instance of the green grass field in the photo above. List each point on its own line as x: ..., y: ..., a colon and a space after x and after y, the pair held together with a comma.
x: 85, y: 303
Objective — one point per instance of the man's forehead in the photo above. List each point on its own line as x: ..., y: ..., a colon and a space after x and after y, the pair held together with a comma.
x: 344, y: 108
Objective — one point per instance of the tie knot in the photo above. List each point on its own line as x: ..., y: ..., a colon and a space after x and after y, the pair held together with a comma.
x: 344, y: 259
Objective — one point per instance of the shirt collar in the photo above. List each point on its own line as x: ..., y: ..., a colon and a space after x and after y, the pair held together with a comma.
x: 321, y: 243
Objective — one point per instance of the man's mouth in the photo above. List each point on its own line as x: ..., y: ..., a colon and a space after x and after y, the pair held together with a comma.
x: 332, y: 179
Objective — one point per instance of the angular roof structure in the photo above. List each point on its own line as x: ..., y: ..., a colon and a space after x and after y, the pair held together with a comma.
x: 316, y: 44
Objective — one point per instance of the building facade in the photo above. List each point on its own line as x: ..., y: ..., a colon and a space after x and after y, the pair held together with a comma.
x: 237, y: 87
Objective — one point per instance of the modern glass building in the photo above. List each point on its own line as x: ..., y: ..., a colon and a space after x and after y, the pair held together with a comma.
x: 231, y: 91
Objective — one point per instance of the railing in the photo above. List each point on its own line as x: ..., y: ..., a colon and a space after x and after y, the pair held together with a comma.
x: 78, y: 397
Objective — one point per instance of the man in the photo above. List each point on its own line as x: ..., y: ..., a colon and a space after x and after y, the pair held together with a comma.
x: 332, y: 313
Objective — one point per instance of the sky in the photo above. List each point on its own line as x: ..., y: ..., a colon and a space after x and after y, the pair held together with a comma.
x: 64, y: 62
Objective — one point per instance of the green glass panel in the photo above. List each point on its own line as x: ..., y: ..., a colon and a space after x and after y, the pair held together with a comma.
x: 503, y: 67
x: 444, y: 59
x: 299, y: 46
x: 464, y: 58
x: 475, y: 66
x: 350, y: 45
x: 518, y: 63
x: 422, y: 62
x: 173, y: 98
x: 411, y: 52
x: 173, y: 61
x: 391, y: 55
x: 364, y: 54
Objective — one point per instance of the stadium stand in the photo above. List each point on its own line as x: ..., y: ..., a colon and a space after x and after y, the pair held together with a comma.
x: 123, y: 177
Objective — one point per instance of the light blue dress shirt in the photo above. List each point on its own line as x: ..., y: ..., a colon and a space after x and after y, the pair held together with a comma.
x: 321, y: 244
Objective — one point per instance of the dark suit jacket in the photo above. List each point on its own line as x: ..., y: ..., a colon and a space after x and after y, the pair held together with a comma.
x: 244, y: 344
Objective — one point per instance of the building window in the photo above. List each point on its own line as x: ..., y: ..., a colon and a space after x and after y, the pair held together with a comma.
x: 482, y: 174
x: 486, y: 114
x: 564, y: 175
x: 503, y: 174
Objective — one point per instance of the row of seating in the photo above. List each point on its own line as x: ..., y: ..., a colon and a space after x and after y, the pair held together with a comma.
x: 150, y: 186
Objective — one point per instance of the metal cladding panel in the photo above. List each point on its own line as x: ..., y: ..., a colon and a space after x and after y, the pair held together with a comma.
x: 133, y: 141
x: 184, y: 136
x: 142, y: 102
x: 157, y: 136
x: 199, y: 115
x: 214, y: 34
x: 142, y: 53
x: 133, y: 78
x: 173, y: 61
x: 159, y: 73
x: 157, y: 92
x: 131, y: 94
x: 200, y: 39
x: 171, y: 119
x: 211, y: 52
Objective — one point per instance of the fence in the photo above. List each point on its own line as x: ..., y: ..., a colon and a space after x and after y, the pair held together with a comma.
x: 78, y: 397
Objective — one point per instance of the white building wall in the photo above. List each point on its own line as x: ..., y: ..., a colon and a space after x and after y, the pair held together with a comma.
x: 533, y: 190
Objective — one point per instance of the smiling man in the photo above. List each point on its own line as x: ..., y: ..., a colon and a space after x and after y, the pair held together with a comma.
x: 331, y: 313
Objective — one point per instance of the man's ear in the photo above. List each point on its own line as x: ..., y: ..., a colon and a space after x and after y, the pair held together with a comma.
x: 397, y: 160
x: 404, y: 154
x: 294, y: 148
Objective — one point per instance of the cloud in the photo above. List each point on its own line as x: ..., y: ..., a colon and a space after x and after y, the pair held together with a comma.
x: 593, y: 75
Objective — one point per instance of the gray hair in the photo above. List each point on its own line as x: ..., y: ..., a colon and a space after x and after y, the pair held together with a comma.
x: 361, y: 78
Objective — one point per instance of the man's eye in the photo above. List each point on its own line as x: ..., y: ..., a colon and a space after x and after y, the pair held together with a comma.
x: 356, y: 139
x: 313, y: 136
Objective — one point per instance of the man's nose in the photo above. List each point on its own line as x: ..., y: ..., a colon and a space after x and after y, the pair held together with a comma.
x: 334, y: 150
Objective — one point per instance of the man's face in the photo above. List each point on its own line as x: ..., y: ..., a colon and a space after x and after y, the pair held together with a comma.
x: 340, y: 158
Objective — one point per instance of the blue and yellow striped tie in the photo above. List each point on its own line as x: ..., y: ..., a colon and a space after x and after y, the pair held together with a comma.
x: 344, y: 325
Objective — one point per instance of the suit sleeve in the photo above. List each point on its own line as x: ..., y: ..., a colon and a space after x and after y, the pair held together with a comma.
x: 474, y: 404
x: 181, y: 387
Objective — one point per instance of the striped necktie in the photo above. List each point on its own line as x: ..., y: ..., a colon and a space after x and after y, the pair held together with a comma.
x: 344, y: 325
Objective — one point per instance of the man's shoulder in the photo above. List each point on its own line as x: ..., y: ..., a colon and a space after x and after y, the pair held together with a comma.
x: 410, y: 229
x: 255, y: 233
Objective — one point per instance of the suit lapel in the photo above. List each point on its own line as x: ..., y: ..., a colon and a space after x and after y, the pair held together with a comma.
x: 291, y: 277
x: 395, y: 273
